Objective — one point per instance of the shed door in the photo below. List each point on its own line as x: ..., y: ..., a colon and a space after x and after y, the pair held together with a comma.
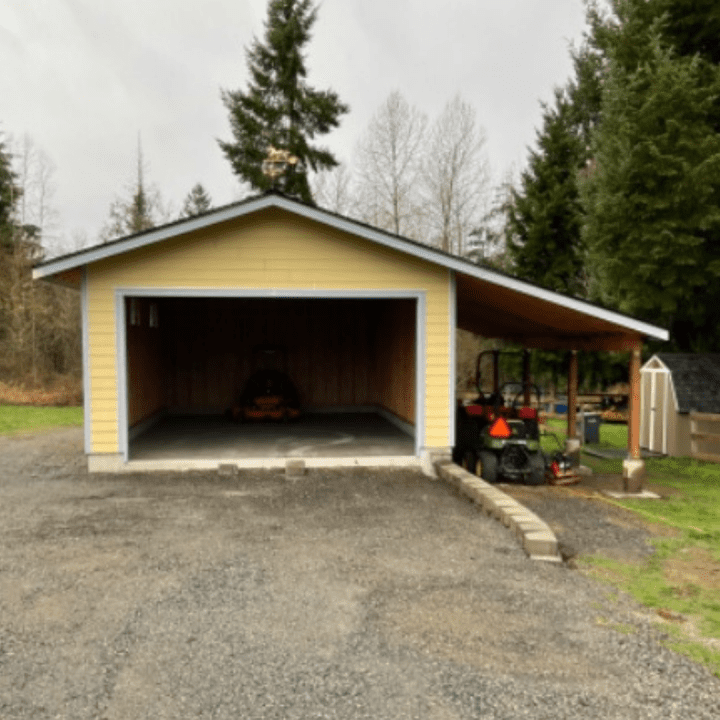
x: 645, y: 385
x: 657, y: 411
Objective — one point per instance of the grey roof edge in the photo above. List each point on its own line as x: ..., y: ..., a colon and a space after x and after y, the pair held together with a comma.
x: 354, y: 227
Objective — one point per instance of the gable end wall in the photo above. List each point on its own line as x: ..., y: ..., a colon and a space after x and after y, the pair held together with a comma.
x: 270, y: 250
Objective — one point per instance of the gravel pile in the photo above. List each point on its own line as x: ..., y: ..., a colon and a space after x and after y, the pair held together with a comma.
x: 354, y: 594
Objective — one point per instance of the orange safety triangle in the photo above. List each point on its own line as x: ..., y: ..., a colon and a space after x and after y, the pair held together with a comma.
x: 500, y: 429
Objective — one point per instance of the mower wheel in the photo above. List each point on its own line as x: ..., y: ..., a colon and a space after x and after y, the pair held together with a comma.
x: 486, y: 467
x: 537, y: 469
x: 468, y: 461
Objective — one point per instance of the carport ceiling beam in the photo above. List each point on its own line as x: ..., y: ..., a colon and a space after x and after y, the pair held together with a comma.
x: 587, y: 342
x: 500, y: 322
x: 549, y: 340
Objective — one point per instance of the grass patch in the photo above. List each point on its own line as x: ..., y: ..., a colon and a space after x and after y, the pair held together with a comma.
x: 699, y: 653
x: 693, y: 610
x: 27, y: 418
x: 612, y: 436
x: 681, y: 580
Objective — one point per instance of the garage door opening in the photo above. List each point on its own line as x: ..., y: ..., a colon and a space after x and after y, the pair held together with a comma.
x: 352, y: 362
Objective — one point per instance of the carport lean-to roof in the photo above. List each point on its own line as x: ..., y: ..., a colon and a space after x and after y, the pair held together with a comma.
x: 484, y: 301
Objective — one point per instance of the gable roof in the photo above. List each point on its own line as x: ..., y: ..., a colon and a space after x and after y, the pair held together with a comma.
x: 556, y: 317
x: 696, y: 378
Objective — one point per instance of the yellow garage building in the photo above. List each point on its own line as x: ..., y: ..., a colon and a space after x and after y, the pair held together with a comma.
x: 173, y: 317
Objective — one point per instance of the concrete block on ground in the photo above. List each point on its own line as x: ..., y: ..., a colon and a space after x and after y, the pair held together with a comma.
x: 452, y: 473
x: 227, y: 470
x: 476, y: 494
x: 540, y: 542
x: 523, y: 516
x: 523, y: 527
x: 536, y: 538
x: 547, y: 558
x: 477, y: 482
x: 294, y: 469
x: 633, y: 475
x: 501, y: 509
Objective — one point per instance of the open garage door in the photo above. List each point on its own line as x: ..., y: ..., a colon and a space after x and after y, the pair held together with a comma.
x: 351, y: 361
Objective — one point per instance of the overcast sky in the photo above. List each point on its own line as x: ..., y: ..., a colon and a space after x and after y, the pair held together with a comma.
x: 84, y: 77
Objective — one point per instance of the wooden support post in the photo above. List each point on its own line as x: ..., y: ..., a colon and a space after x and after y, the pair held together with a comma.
x: 572, y: 395
x: 496, y: 372
x: 634, y: 466
x: 634, y: 405
x: 572, y: 443
x: 526, y: 378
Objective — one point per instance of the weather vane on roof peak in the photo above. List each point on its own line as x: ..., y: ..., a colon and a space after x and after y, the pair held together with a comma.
x: 277, y: 162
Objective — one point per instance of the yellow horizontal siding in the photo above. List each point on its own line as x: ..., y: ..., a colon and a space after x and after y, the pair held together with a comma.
x: 267, y: 250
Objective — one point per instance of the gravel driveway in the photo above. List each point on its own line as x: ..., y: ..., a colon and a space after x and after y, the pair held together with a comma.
x: 353, y: 594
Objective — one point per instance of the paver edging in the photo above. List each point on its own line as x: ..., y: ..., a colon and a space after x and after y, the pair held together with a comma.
x: 533, y: 534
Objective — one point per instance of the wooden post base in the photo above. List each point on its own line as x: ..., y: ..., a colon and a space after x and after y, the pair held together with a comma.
x: 633, y: 475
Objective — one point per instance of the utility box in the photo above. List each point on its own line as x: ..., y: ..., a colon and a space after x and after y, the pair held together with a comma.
x: 591, y: 429
x: 588, y: 427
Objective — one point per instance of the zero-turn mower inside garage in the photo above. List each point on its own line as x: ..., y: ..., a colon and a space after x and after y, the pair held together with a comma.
x: 237, y: 378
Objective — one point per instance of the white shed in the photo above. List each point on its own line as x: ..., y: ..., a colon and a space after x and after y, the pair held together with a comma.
x: 672, y: 385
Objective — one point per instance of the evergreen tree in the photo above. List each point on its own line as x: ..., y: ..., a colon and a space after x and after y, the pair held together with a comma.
x: 139, y: 212
x: 652, y: 194
x: 279, y: 108
x: 545, y: 215
x: 196, y: 202
x: 692, y: 26
x: 9, y: 195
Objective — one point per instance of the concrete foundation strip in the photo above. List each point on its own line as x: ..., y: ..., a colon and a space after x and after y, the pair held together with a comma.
x: 536, y: 538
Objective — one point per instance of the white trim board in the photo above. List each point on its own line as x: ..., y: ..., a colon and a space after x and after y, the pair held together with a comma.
x: 452, y: 370
x: 121, y: 348
x: 396, y: 242
x: 87, y: 399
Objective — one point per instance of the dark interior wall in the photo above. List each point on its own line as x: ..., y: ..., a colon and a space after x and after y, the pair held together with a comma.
x: 394, y: 357
x: 339, y: 352
x: 211, y: 341
x: 146, y: 361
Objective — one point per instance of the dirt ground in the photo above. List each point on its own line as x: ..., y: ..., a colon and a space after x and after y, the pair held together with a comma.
x: 345, y: 594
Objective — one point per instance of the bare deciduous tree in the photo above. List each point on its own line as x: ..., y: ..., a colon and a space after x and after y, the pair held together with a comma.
x: 455, y: 177
x: 332, y: 190
x: 390, y: 162
x: 39, y: 322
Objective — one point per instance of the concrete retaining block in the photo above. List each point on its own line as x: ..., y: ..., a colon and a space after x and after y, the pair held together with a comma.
x: 227, y: 470
x: 294, y: 469
x: 536, y: 538
x: 526, y: 527
x: 540, y: 543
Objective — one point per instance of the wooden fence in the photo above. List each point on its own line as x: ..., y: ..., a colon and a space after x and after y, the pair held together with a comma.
x: 700, y: 437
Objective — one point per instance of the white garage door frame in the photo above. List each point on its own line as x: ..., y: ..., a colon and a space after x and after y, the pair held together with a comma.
x: 121, y: 294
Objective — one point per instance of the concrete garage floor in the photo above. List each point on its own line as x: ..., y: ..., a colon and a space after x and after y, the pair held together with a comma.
x: 327, y: 435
